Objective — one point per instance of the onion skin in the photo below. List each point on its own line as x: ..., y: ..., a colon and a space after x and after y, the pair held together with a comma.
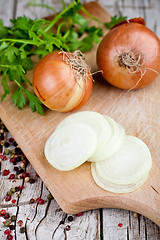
x: 123, y: 38
x: 55, y: 84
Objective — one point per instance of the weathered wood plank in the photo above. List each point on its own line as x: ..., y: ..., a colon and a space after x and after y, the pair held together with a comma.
x: 133, y: 228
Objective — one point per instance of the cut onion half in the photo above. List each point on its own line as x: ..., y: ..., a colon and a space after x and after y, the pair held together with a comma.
x: 116, y: 188
x: 70, y: 146
x: 96, y: 121
x: 130, y: 165
x: 114, y: 143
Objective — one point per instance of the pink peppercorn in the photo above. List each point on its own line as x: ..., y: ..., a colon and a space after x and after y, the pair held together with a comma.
x: 3, y: 212
x: 14, y: 201
x: 9, y: 237
x: 6, y: 172
x: 25, y: 174
x: 4, y: 158
x: 13, y: 160
x: 12, y: 176
x: 11, y: 140
x: 40, y: 201
x: 8, y: 198
x: 7, y: 232
x: 120, y: 225
x: 79, y: 214
x: 20, y: 187
x: 20, y: 222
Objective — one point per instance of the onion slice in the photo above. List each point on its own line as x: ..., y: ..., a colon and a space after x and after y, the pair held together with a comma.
x: 70, y: 146
x: 113, y: 144
x: 129, y: 167
x: 94, y: 120
x: 116, y: 188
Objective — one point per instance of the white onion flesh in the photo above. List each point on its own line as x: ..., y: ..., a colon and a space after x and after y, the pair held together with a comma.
x: 120, y: 163
x: 126, y: 170
x: 109, y: 134
x: 114, y: 143
x: 116, y: 188
x: 70, y: 146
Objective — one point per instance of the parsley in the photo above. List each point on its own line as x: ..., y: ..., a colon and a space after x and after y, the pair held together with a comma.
x: 114, y: 20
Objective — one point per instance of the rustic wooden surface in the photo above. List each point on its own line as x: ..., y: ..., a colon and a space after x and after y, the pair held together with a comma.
x: 45, y: 219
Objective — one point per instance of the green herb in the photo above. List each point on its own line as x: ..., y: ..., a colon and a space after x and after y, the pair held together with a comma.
x: 114, y: 20
x: 27, y: 37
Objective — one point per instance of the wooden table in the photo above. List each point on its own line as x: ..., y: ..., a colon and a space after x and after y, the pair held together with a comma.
x: 47, y: 221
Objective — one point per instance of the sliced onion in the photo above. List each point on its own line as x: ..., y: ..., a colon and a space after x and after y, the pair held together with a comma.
x: 70, y: 146
x: 112, y: 145
x: 116, y: 188
x: 96, y: 121
x: 129, y: 167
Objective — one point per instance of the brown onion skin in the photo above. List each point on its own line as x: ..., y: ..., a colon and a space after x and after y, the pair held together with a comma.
x: 54, y: 83
x: 129, y: 36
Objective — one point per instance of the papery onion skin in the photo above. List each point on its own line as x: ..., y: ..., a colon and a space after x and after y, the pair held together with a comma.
x: 127, y: 37
x: 55, y: 84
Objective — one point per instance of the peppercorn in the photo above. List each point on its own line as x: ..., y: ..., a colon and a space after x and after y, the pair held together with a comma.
x: 18, y: 151
x: 20, y: 170
x: 31, y: 201
x: 22, y: 229
x: 16, y: 168
x: 25, y: 174
x: 9, y: 192
x: 68, y: 228
x: 11, y: 140
x: 20, y: 176
x: 22, y: 165
x: 14, y: 144
x: 26, y: 179
x: 6, y: 223
x: 13, y: 190
x: 18, y: 158
x: 49, y: 196
x: 12, y: 176
x: 6, y: 144
x: 9, y: 237
x: 16, y: 189
x: 8, y: 198
x: 12, y: 227
x: 13, y: 218
x: 31, y: 181
x: 6, y: 151
x: 7, y: 216
x: 70, y: 218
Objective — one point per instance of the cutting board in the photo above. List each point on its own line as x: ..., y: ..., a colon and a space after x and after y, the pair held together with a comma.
x: 137, y: 111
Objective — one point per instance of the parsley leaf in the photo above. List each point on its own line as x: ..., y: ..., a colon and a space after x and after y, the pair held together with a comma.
x: 18, y: 98
x: 114, y: 20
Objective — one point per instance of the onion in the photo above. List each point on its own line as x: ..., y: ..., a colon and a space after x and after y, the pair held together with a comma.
x: 129, y: 55
x: 120, y: 163
x: 109, y: 133
x: 113, y: 142
x: 129, y: 167
x: 70, y: 146
x: 62, y: 81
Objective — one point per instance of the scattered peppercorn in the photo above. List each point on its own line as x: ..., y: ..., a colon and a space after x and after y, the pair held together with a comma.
x: 13, y: 218
x: 70, y: 218
x: 31, y: 201
x: 12, y: 159
x: 3, y: 212
x: 6, y: 172
x: 26, y: 179
x: 8, y: 198
x: 22, y: 165
x: 6, y: 144
x: 68, y: 228
x: 9, y: 192
x: 25, y: 174
x: 16, y: 189
x: 20, y: 170
x: 49, y: 196
x: 9, y: 237
x: 12, y: 227
x: 32, y: 180
x: 6, y: 223
x: 16, y: 169
x: 7, y: 151
x: 79, y: 214
x: 18, y: 158
x: 12, y: 176
x: 13, y: 190
x: 7, y: 216
x: 7, y: 232
x: 18, y: 151
x: 14, y: 144
x: 20, y: 187
x: 20, y: 222
x: 22, y: 230
x: 11, y: 140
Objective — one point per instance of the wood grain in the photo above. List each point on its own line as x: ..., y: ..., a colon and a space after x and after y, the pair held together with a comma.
x: 132, y: 110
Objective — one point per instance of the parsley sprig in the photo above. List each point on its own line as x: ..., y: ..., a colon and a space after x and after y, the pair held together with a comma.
x: 27, y: 37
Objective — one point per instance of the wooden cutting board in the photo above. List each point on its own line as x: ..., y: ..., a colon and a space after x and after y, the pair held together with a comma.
x: 75, y: 191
